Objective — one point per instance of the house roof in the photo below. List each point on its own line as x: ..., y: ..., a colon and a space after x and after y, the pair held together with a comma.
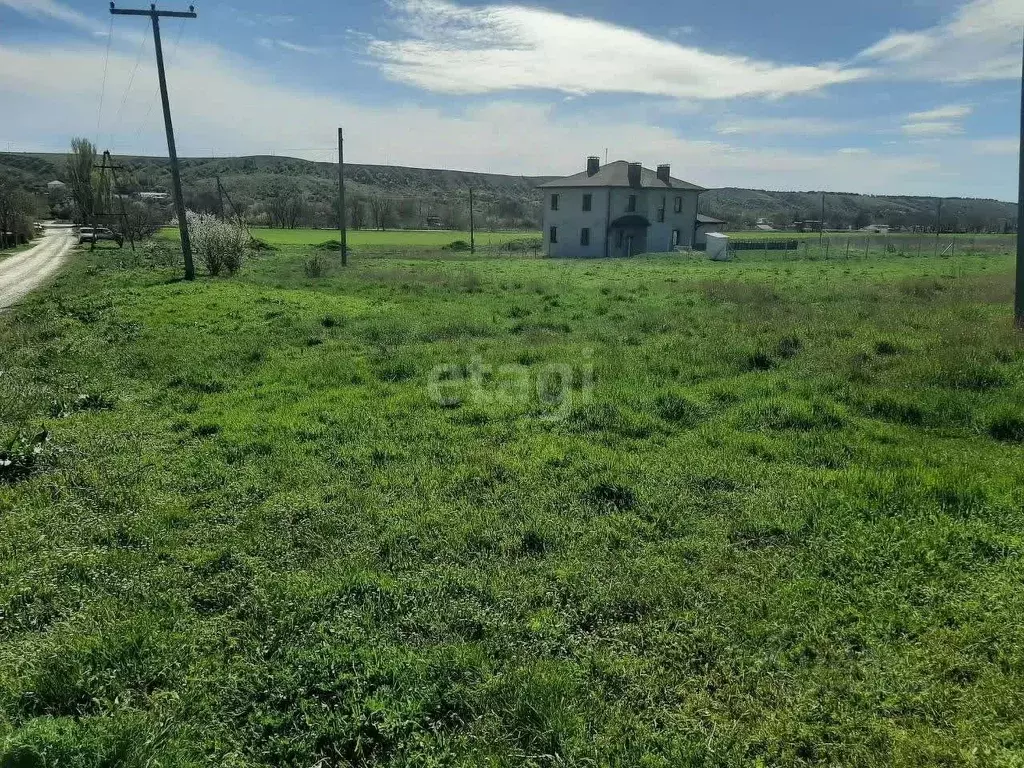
x: 615, y: 174
x: 702, y: 219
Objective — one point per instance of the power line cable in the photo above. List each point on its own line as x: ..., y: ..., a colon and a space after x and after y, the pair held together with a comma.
x: 128, y: 90
x: 171, y: 59
x: 103, y: 84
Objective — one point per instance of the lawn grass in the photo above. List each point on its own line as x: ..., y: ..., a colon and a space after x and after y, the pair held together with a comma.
x: 393, y: 238
x: 784, y: 528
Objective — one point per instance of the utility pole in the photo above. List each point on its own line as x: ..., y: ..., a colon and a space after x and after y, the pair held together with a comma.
x: 154, y: 15
x: 103, y: 178
x: 124, y: 214
x: 472, y: 241
x: 220, y: 196
x: 1018, y: 302
x: 341, y: 200
x: 938, y: 225
x: 821, y: 224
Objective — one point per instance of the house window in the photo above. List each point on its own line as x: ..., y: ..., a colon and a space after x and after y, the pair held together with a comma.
x: 661, y: 211
x: 584, y: 236
x: 631, y: 204
x: 554, y: 202
x: 586, y: 202
x: 679, y: 205
x: 677, y: 235
x: 553, y: 235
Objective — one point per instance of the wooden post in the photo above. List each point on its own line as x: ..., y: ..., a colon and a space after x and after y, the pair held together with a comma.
x: 472, y: 240
x: 343, y: 239
x: 867, y: 246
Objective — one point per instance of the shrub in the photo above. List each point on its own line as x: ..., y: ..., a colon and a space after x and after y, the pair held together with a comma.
x: 456, y: 245
x: 314, y: 266
x: 220, y: 244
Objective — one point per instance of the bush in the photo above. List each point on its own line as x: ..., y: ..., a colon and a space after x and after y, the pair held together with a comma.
x: 220, y: 244
x: 314, y: 266
x: 456, y: 245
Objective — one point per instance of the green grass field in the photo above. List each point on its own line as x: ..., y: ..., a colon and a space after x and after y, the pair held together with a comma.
x: 511, y: 511
x: 391, y: 238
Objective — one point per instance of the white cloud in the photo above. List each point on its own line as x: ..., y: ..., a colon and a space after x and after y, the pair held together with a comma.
x: 219, y: 105
x: 472, y: 50
x: 268, y: 42
x: 932, y: 129
x: 791, y: 126
x: 948, y: 112
x: 50, y: 9
x: 854, y: 151
x: 1007, y: 146
x: 981, y: 41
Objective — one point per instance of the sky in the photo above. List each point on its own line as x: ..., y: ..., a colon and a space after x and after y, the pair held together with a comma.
x: 915, y: 97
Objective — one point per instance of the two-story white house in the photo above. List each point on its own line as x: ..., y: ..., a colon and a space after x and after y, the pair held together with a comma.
x: 620, y: 209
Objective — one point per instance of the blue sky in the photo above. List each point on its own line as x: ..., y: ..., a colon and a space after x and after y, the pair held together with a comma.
x: 920, y: 97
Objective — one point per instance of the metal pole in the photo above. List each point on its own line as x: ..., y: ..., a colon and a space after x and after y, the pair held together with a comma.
x: 472, y: 240
x: 1018, y: 303
x: 341, y: 200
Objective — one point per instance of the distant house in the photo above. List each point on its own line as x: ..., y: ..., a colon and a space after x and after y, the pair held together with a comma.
x: 434, y: 222
x: 154, y: 196
x: 707, y: 224
x: 55, y: 186
x: 811, y: 225
x: 620, y: 209
x: 765, y: 228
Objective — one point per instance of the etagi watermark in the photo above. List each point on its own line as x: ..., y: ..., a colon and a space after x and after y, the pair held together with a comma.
x: 549, y: 391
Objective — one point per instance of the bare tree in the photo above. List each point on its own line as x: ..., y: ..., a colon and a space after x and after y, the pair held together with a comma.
x: 286, y: 207
x: 382, y: 209
x: 356, y: 212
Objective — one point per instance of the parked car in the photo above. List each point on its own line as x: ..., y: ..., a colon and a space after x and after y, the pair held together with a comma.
x: 95, y: 234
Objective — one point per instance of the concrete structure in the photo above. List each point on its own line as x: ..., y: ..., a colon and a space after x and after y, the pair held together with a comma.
x: 621, y: 209
x: 707, y: 224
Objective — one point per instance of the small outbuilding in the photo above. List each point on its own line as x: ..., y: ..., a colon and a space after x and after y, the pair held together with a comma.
x: 706, y: 224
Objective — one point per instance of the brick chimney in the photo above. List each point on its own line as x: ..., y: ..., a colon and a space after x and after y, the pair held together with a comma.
x: 664, y: 173
x: 633, y: 174
x: 593, y: 165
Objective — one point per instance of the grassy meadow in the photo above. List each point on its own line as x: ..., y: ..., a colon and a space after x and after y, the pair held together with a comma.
x: 450, y: 510
x: 361, y: 238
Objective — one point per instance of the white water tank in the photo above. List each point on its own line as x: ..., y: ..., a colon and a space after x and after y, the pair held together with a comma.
x: 718, y: 246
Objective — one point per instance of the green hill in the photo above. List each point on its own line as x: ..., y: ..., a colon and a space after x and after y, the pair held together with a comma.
x: 262, y: 185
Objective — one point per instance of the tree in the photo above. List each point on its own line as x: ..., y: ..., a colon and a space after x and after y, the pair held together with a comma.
x: 15, y: 215
x: 382, y: 210
x: 356, y: 212
x: 286, y: 207
x: 90, y: 189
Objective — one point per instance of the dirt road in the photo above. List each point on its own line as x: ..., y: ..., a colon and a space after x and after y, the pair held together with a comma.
x: 26, y: 271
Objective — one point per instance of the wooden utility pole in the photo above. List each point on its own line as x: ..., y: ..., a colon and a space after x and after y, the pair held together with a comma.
x: 938, y: 225
x: 220, y: 196
x: 821, y: 224
x: 1018, y: 302
x: 124, y: 214
x: 341, y: 200
x: 472, y: 240
x: 179, y: 203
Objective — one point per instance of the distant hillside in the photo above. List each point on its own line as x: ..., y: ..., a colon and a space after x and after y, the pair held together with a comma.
x: 744, y: 206
x: 255, y: 184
